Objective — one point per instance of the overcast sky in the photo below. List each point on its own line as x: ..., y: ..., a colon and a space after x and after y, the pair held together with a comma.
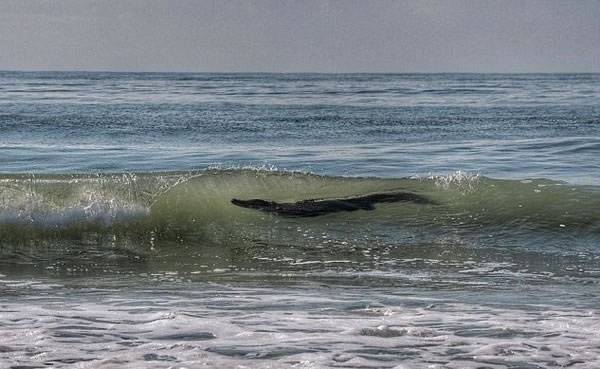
x: 301, y: 36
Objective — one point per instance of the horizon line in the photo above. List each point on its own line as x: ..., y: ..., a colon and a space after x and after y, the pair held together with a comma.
x: 262, y: 72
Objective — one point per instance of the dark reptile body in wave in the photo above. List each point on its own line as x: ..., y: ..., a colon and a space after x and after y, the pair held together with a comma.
x: 316, y: 207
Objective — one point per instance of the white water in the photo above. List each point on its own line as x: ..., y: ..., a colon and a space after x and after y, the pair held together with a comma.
x: 217, y: 325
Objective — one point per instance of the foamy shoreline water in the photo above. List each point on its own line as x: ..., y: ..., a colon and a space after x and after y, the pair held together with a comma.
x: 314, y: 326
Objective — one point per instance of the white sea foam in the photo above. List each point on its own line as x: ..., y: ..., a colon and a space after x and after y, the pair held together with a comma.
x: 458, y: 179
x: 95, y: 213
x: 247, y: 327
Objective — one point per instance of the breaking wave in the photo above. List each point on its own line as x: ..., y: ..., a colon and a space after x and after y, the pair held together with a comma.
x: 197, y: 203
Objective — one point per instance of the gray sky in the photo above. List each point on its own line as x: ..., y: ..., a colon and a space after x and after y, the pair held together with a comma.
x: 301, y: 36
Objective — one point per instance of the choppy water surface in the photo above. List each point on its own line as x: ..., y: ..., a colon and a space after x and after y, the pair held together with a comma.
x: 120, y: 247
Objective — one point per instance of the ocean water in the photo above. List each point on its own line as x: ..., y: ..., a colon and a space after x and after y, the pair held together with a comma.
x: 120, y: 246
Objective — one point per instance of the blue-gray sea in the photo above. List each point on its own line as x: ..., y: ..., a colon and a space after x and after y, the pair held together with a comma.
x: 120, y: 246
